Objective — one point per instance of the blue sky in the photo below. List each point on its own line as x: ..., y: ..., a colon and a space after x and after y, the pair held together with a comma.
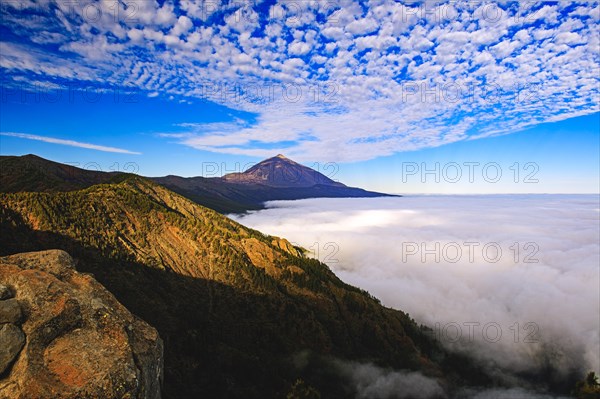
x: 365, y: 92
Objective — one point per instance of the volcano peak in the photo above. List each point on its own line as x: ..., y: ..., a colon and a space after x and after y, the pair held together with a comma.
x: 280, y: 171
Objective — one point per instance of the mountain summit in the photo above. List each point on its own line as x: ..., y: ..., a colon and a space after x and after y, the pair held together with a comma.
x: 275, y: 178
x: 280, y: 171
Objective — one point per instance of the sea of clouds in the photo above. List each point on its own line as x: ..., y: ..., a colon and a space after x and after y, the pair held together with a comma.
x: 511, y: 279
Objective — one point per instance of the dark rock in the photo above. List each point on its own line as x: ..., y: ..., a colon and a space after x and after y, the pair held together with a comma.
x: 5, y: 292
x: 12, y: 340
x: 10, y: 311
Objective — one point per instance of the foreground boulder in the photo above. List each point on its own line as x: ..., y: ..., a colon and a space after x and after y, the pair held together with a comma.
x: 12, y: 340
x: 65, y: 336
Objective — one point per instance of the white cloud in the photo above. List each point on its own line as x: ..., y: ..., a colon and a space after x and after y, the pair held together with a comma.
x: 136, y: 35
x: 546, y: 13
x: 372, y: 382
x: 362, y: 26
x: 505, y: 48
x: 335, y: 33
x: 379, y: 245
x: 165, y: 15
x: 483, y: 58
x: 183, y: 25
x: 298, y: 48
x: 70, y: 143
x: 569, y: 38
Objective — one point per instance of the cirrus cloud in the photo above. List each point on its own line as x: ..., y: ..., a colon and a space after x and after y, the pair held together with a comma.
x: 70, y: 143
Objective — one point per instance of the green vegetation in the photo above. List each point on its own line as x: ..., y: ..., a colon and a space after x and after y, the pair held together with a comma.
x: 300, y: 390
x: 589, y: 388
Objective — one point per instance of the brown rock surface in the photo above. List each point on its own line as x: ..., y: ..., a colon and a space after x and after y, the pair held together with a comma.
x: 286, y: 246
x: 80, y: 341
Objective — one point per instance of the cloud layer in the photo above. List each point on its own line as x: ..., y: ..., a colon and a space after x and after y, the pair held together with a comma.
x: 373, y: 78
x: 371, y: 382
x: 523, y: 294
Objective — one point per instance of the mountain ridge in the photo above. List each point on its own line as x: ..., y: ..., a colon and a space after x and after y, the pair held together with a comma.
x: 34, y: 173
x: 276, y: 178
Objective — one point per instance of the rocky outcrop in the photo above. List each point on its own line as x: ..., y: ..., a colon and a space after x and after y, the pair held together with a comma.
x: 287, y: 246
x: 63, y: 335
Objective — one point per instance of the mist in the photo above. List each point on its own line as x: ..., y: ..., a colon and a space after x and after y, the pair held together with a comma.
x: 372, y: 382
x: 512, y: 280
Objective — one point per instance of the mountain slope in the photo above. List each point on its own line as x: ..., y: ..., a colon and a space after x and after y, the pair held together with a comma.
x: 234, y: 307
x: 33, y: 173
